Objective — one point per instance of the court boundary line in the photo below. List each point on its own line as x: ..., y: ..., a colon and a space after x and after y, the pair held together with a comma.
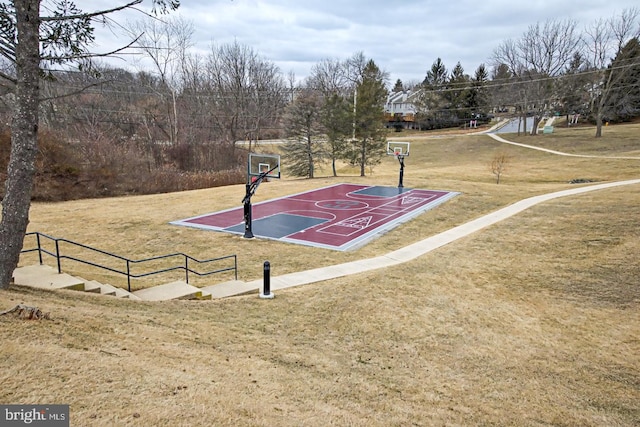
x: 384, y: 222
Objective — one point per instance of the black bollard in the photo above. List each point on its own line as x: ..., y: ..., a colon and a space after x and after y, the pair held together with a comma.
x: 266, y: 285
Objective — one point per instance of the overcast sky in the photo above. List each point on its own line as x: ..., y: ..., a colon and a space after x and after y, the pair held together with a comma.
x: 403, y: 37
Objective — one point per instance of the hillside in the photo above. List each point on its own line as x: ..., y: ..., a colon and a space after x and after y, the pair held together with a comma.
x: 531, y: 321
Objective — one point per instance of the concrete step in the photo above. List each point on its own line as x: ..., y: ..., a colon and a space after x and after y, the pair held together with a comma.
x: 205, y: 295
x: 169, y: 291
x: 91, y: 286
x: 123, y: 293
x: 45, y: 277
x: 230, y: 288
x: 107, y: 289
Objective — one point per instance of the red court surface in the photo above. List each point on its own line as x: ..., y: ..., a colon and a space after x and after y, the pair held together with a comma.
x: 340, y: 217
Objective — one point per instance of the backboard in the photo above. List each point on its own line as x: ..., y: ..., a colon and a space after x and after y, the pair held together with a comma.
x: 398, y: 148
x: 265, y: 165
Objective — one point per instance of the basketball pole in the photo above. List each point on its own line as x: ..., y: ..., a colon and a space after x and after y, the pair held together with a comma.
x: 248, y: 234
x: 401, y: 161
x: 250, y: 190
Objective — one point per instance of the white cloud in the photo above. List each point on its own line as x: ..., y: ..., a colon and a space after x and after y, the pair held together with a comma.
x: 402, y: 37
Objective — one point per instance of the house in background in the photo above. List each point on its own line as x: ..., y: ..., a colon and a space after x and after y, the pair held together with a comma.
x: 400, y: 109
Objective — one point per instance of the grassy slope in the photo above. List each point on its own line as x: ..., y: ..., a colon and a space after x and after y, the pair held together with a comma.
x: 533, y: 321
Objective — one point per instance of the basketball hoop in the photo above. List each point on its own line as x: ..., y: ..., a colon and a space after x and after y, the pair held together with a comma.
x: 260, y: 167
x: 399, y: 150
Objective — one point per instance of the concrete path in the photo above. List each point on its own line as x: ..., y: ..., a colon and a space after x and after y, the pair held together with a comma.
x: 405, y: 254
x: 559, y: 153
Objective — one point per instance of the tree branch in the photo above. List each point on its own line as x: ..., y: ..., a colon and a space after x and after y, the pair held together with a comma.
x: 13, y: 80
x: 90, y: 55
x: 75, y: 92
x: 89, y: 15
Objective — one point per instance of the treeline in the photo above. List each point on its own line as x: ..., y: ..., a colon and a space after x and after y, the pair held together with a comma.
x: 553, y: 68
x: 115, y: 132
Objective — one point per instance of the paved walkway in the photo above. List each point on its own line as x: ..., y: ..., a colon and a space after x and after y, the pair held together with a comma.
x: 559, y: 153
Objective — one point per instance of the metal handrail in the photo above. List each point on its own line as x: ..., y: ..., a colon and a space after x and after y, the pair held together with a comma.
x: 128, y: 262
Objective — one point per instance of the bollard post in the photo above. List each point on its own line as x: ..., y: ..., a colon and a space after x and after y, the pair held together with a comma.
x: 266, y: 283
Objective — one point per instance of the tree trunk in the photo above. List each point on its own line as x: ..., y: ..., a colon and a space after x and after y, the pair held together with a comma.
x: 310, y: 158
x: 536, y: 123
x: 24, y: 134
x: 598, y: 125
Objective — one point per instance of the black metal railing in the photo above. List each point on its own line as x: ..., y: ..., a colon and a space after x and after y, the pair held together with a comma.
x: 185, y: 264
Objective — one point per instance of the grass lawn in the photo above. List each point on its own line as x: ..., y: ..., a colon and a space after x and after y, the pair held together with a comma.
x: 532, y: 321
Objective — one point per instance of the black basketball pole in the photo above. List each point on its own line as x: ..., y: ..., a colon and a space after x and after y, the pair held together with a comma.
x: 401, y: 160
x: 251, y: 188
x: 248, y: 234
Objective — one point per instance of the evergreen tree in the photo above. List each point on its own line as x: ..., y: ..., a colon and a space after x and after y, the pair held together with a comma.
x: 305, y: 148
x: 457, y: 92
x: 478, y: 96
x: 437, y: 76
x: 337, y: 120
x: 499, y: 87
x: 624, y: 102
x: 370, y: 129
x: 432, y: 102
x: 571, y: 88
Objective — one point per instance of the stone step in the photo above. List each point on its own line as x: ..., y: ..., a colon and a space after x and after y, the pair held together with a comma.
x: 45, y: 277
x: 174, y: 290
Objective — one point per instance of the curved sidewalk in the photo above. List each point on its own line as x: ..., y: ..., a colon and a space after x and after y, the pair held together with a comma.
x: 405, y: 254
x: 559, y: 153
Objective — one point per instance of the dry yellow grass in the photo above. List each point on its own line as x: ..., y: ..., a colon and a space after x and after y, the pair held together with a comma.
x: 533, y: 321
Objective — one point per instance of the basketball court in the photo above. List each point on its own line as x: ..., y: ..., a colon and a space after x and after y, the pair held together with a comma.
x: 340, y: 217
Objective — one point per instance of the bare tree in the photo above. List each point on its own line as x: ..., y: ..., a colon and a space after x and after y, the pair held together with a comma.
x: 165, y: 44
x: 499, y: 164
x: 329, y: 76
x: 247, y: 92
x: 605, y: 41
x: 28, y: 40
x: 542, y: 53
